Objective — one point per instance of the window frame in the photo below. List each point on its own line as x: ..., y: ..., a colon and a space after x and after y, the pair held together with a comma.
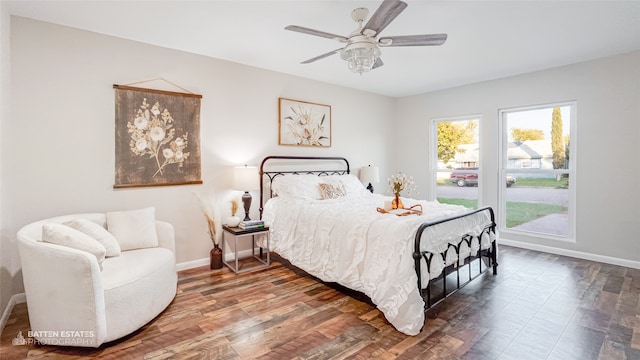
x: 433, y: 153
x: 571, y: 171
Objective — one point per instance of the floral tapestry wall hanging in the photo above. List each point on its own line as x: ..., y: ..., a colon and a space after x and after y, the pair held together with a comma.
x: 157, y: 137
x: 303, y: 123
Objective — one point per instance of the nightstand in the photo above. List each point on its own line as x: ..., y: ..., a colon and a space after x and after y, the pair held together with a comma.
x: 238, y: 234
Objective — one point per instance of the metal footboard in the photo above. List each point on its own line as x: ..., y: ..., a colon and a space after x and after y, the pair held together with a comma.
x: 470, y: 261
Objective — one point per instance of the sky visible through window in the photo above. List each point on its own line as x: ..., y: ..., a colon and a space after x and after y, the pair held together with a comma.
x: 538, y: 119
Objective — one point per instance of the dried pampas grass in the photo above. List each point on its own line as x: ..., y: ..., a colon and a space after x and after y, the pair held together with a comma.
x: 234, y: 207
x: 208, y: 209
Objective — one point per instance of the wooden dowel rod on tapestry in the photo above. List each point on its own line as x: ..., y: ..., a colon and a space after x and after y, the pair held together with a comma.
x: 125, y: 87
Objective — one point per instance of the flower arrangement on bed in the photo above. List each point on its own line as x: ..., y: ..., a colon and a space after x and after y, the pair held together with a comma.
x: 328, y: 226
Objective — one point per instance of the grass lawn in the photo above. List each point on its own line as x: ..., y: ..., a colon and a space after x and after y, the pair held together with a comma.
x: 543, y: 182
x: 472, y: 204
x: 522, y: 212
x: 517, y: 212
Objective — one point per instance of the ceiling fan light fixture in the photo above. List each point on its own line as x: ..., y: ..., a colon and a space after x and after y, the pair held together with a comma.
x: 360, y: 57
x: 362, y: 52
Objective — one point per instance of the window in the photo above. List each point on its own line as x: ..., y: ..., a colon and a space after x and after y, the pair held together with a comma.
x: 537, y: 154
x: 456, y: 157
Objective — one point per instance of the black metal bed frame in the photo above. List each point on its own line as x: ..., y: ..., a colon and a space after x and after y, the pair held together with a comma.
x: 429, y: 293
x: 489, y: 254
x: 271, y: 175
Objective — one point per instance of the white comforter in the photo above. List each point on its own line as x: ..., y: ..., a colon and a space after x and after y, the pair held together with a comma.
x: 347, y: 241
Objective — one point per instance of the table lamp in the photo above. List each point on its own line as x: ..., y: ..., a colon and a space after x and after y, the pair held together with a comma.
x: 245, y: 178
x: 370, y: 174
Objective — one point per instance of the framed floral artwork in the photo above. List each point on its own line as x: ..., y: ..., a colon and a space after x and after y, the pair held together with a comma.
x: 157, y: 137
x: 302, y: 123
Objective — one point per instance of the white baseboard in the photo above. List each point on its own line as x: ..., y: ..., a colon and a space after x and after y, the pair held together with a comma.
x: 192, y: 264
x: 205, y: 261
x: 15, y: 299
x: 572, y: 253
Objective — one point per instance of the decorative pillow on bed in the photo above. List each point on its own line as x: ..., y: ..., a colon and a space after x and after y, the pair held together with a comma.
x: 351, y: 183
x: 303, y: 186
x: 331, y: 191
x: 64, y: 235
x: 97, y: 232
x: 134, y: 229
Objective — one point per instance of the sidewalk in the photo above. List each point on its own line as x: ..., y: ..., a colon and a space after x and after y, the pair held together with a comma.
x: 553, y: 224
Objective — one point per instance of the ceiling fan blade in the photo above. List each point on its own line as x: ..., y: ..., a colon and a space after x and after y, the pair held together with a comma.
x: 413, y: 40
x: 321, y: 56
x: 384, y: 15
x: 308, y: 31
x: 377, y: 64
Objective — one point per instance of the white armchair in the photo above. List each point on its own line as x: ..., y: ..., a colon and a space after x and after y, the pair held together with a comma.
x: 74, y: 300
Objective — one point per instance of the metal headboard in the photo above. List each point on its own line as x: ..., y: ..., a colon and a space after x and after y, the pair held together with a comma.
x: 289, y: 163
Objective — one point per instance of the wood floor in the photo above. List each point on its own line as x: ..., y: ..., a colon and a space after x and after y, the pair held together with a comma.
x: 539, y: 306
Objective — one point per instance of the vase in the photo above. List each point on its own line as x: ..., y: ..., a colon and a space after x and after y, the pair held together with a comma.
x: 233, y: 221
x: 215, y: 257
x: 397, y: 203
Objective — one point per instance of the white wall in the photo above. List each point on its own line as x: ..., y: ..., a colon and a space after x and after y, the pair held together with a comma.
x: 7, y: 249
x: 607, y: 92
x: 61, y: 133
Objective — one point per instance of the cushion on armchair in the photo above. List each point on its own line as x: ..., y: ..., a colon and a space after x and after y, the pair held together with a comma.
x: 63, y: 235
x: 97, y: 232
x: 134, y: 229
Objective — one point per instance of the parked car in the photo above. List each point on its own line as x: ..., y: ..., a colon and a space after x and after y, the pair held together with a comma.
x: 471, y: 179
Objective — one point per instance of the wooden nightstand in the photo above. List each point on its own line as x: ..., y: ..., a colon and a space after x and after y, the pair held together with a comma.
x: 237, y: 233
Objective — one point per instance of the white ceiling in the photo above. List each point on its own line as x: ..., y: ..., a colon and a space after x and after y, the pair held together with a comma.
x: 487, y: 40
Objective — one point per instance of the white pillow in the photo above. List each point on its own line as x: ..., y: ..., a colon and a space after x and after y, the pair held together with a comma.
x: 134, y: 229
x: 303, y: 186
x: 97, y: 232
x: 61, y: 234
x: 351, y: 183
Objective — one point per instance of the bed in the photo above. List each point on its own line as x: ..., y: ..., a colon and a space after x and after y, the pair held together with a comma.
x: 403, y: 264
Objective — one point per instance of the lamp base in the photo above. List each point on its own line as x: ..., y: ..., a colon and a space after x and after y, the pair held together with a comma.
x: 370, y: 188
x: 246, y: 201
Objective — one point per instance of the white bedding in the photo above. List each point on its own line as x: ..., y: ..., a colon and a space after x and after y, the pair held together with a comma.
x: 347, y: 241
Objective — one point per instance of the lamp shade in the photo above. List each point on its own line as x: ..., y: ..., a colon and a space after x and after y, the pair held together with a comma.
x: 245, y: 178
x: 369, y: 174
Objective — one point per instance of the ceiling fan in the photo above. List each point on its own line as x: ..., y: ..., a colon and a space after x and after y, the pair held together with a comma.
x: 362, y: 49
